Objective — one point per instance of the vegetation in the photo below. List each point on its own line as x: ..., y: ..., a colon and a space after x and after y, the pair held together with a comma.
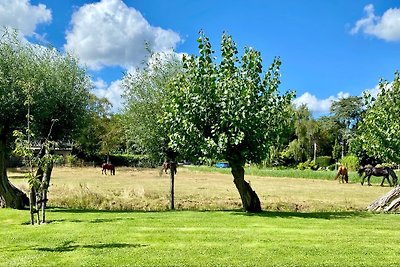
x: 38, y: 87
x: 205, y: 188
x: 193, y: 238
x: 379, y: 132
x: 226, y: 110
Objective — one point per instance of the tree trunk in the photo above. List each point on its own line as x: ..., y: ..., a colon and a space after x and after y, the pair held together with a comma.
x: 45, y: 187
x: 10, y: 196
x: 172, y: 165
x: 388, y: 202
x: 250, y: 200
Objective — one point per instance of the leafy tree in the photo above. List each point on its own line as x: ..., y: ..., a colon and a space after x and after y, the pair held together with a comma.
x: 145, y: 96
x: 56, y: 89
x: 226, y: 110
x: 347, y: 113
x: 379, y: 130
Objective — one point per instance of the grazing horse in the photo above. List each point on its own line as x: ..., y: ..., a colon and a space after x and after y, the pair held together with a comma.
x: 343, y: 173
x: 107, y: 166
x: 167, y: 166
x: 382, y: 171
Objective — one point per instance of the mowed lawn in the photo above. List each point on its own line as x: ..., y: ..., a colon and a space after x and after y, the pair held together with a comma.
x: 305, y: 223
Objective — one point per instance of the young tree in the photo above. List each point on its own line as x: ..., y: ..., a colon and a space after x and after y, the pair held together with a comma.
x: 226, y: 110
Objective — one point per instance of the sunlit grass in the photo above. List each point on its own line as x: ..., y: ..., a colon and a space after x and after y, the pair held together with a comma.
x: 197, y: 189
x: 192, y: 238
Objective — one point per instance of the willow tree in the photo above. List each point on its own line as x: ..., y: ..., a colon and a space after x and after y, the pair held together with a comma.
x: 227, y: 109
x: 145, y: 93
x: 56, y: 88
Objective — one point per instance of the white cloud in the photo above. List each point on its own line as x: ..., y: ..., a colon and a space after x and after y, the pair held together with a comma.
x: 316, y: 105
x: 110, y: 33
x: 21, y: 15
x: 386, y: 27
x: 112, y: 92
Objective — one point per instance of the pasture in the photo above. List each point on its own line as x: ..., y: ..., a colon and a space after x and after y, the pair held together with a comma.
x: 98, y: 220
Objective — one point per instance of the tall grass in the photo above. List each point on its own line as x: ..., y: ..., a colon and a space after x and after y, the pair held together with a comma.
x: 200, y: 188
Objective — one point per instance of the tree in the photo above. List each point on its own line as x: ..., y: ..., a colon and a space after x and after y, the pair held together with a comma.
x: 379, y: 130
x: 56, y: 88
x: 145, y: 96
x: 226, y: 110
x: 347, y: 113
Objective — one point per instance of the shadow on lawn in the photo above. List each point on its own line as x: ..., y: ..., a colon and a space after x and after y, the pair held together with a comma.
x: 328, y: 215
x: 307, y: 215
x: 69, y: 246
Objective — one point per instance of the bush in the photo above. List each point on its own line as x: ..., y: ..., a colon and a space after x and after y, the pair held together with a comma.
x: 323, y: 161
x: 72, y: 160
x: 351, y: 162
x: 308, y: 165
x: 128, y: 160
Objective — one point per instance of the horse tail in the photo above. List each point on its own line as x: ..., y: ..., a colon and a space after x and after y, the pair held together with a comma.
x: 393, y: 174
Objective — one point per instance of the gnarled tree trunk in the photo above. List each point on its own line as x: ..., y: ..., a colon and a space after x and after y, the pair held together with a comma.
x: 10, y: 196
x: 388, y: 202
x: 250, y: 200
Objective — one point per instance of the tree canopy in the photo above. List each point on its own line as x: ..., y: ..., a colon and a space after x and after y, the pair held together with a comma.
x: 44, y: 84
x: 226, y: 110
x: 379, y: 130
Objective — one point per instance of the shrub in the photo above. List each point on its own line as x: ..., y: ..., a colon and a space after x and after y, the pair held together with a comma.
x: 72, y: 160
x: 129, y: 160
x: 351, y: 162
x: 308, y: 165
x: 323, y: 161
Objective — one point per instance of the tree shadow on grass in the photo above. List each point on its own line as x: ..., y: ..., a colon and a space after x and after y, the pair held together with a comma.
x: 69, y: 246
x: 327, y: 215
x: 307, y: 215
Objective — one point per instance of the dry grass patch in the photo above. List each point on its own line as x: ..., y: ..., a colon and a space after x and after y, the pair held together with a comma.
x: 145, y: 189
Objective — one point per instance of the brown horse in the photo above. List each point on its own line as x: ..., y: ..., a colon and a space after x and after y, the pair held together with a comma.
x: 167, y: 166
x: 107, y: 166
x: 342, y: 171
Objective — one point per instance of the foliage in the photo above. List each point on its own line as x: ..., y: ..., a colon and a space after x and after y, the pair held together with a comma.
x: 351, y: 162
x: 72, y: 160
x: 130, y: 160
x: 323, y: 161
x: 226, y: 110
x: 379, y: 131
x: 307, y: 165
x: 145, y: 94
x: 347, y: 113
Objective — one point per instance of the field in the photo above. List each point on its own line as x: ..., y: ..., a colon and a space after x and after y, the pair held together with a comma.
x: 198, y: 189
x: 121, y: 221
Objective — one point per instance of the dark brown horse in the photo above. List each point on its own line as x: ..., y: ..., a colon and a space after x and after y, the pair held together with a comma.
x: 167, y: 166
x: 343, y: 173
x: 107, y: 166
x: 369, y: 170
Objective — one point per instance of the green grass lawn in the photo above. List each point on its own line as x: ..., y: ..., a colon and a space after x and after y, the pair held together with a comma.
x: 192, y: 238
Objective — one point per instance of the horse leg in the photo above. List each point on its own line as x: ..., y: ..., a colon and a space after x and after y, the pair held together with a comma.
x: 362, y: 180
x: 387, y: 178
x: 369, y: 178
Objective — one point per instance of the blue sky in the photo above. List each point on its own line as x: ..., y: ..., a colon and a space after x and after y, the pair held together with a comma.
x: 329, y: 48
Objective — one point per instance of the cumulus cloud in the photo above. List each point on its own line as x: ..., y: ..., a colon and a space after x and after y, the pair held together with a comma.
x: 109, y: 33
x: 111, y: 91
x: 21, y: 15
x: 316, y: 105
x: 386, y: 27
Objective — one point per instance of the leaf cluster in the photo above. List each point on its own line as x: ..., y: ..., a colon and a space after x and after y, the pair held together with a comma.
x: 226, y: 109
